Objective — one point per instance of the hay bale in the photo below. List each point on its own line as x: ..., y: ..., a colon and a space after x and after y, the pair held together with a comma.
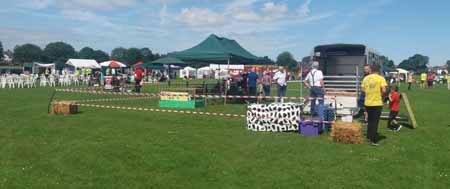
x: 64, y: 108
x: 346, y: 133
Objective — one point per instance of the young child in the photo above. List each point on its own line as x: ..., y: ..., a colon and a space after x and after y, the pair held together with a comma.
x: 394, y: 106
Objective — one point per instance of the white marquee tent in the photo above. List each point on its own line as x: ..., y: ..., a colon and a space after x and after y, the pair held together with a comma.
x: 83, y: 63
x: 401, y: 73
x: 43, y: 65
x: 188, y: 72
x: 37, y: 65
x: 204, y: 72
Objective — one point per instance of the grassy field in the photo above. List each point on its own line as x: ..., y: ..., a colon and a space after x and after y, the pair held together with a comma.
x: 100, y: 148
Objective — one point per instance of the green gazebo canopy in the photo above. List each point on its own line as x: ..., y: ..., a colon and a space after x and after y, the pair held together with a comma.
x: 151, y: 65
x: 218, y: 50
x: 169, y: 60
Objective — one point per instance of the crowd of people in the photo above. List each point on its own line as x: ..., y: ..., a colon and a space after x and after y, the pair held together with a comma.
x: 260, y: 84
x: 428, y: 79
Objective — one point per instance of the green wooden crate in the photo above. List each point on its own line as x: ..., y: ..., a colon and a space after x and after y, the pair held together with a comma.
x: 181, y: 104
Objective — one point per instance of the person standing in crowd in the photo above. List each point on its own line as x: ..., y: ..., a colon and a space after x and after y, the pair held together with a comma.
x: 267, y: 82
x: 410, y: 81
x: 46, y: 72
x: 444, y: 78
x: 374, y: 85
x: 138, y: 74
x: 245, y: 83
x: 430, y: 80
x: 423, y: 79
x: 280, y: 78
x: 394, y: 106
x: 314, y: 81
x: 252, y: 81
x: 77, y: 73
x: 362, y: 95
x: 448, y: 81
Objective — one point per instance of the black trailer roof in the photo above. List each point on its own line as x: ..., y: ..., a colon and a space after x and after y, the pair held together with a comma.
x: 341, y: 49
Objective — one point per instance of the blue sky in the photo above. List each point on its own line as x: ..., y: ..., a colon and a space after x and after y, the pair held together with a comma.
x: 395, y: 28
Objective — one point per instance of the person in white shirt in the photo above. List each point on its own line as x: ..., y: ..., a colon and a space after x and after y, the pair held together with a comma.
x: 280, y: 79
x: 314, y: 81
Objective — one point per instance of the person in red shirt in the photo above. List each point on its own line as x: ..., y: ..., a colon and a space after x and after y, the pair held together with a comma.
x: 394, y: 106
x: 138, y: 75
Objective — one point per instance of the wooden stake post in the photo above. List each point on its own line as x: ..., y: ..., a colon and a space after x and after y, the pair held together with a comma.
x: 410, y: 111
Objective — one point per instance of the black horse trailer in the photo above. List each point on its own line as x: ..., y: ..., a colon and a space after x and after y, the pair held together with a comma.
x: 342, y: 66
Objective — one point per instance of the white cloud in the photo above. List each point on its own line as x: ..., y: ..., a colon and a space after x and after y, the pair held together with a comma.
x: 163, y: 14
x: 79, y: 15
x: 201, y: 17
x: 242, y: 10
x: 98, y: 4
x: 247, y: 16
x: 273, y: 8
x: 238, y: 5
x: 35, y: 4
x: 275, y: 11
x: 304, y: 9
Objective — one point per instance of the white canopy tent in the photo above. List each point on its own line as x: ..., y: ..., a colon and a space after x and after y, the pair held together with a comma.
x: 37, y: 65
x: 188, y: 72
x: 203, y: 73
x: 83, y: 63
x: 222, y: 71
x: 43, y: 65
x: 400, y: 73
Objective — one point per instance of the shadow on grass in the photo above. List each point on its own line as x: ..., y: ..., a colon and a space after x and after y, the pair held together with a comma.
x: 407, y: 125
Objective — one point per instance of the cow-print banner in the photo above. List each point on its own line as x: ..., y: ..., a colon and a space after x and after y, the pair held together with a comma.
x: 276, y: 117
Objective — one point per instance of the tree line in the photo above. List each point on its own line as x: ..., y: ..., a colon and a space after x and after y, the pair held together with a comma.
x: 60, y: 52
x: 287, y: 59
x: 417, y: 63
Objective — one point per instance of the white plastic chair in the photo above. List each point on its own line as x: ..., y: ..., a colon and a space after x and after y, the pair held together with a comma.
x: 43, y: 81
x: 20, y: 80
x: 10, y: 81
x: 75, y: 80
x: 3, y: 81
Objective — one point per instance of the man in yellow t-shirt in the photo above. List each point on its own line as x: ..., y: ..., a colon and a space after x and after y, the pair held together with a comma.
x: 374, y: 85
x: 423, y: 79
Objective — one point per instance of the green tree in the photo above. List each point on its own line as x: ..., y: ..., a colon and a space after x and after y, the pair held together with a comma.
x: 306, y: 62
x: 100, y: 56
x: 147, y: 55
x: 1, y: 51
x: 86, y: 53
x: 27, y: 53
x: 448, y: 65
x: 157, y: 56
x: 119, y: 54
x: 59, y: 52
x: 387, y: 63
x: 417, y: 63
x: 286, y: 59
x: 134, y: 55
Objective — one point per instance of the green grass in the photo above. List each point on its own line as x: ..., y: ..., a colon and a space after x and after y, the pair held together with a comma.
x: 100, y: 148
